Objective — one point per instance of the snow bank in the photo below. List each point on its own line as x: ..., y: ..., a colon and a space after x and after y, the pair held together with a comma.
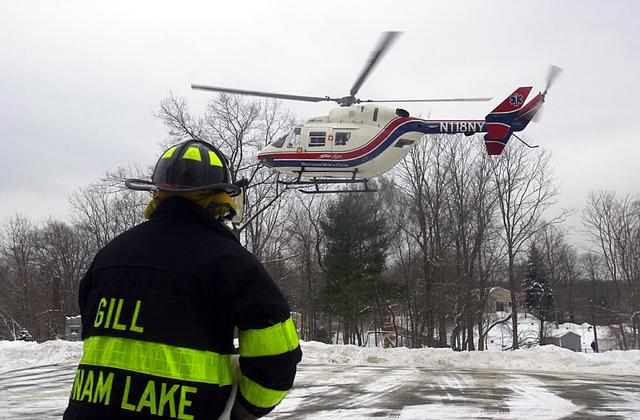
x: 545, y: 358
x: 20, y: 354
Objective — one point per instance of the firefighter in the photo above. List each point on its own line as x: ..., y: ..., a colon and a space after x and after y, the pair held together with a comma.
x: 160, y: 302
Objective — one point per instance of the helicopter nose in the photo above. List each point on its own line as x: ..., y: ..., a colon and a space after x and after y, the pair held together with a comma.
x: 265, y: 160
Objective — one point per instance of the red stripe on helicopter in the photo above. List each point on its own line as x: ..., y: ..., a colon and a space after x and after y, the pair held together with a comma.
x: 363, y: 150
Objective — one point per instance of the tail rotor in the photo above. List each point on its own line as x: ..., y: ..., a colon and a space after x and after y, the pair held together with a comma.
x: 552, y: 76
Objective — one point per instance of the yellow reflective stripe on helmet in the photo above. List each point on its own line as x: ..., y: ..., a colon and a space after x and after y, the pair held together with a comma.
x: 157, y: 359
x: 270, y: 341
x: 214, y: 159
x: 169, y: 153
x: 259, y: 395
x: 192, y: 153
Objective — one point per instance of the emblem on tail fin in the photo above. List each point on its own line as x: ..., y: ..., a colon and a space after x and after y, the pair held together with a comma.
x: 516, y: 99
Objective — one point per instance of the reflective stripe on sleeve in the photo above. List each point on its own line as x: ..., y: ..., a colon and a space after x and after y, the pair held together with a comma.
x: 258, y: 395
x: 158, y: 359
x: 271, y: 341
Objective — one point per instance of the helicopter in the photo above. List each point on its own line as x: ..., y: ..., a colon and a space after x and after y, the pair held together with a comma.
x: 362, y: 139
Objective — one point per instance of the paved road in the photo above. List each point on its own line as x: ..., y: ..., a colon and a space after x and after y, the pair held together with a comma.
x: 363, y: 392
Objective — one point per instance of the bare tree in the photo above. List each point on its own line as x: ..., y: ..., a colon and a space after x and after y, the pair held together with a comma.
x: 266, y: 217
x: 592, y: 266
x: 305, y: 247
x: 63, y: 256
x: 525, y: 186
x: 407, y: 262
x: 41, y: 269
x: 239, y: 128
x: 9, y: 326
x: 614, y: 226
x: 551, y: 241
x: 18, y: 297
x: 423, y: 179
x: 471, y: 204
x: 104, y: 209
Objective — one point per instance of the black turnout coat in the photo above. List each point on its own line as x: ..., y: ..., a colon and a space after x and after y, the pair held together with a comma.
x: 159, y: 305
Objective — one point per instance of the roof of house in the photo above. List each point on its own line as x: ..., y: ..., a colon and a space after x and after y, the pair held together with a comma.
x: 560, y: 334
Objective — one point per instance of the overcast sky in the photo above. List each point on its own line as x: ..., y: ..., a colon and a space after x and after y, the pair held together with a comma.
x: 80, y: 81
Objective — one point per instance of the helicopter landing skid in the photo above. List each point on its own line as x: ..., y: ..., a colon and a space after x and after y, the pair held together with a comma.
x: 317, y: 182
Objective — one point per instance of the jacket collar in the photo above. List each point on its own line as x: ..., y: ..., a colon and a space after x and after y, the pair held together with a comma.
x: 179, y: 207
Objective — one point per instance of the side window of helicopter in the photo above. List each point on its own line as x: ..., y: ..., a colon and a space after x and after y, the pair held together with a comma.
x: 295, y: 138
x: 342, y: 138
x: 317, y: 138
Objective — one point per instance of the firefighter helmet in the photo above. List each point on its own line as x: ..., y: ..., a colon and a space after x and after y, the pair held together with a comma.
x: 187, y: 167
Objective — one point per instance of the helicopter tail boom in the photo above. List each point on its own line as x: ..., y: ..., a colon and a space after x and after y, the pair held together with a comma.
x: 528, y: 113
x: 499, y: 122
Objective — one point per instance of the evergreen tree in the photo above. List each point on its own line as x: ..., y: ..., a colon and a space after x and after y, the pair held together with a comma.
x: 354, y: 260
x: 537, y: 288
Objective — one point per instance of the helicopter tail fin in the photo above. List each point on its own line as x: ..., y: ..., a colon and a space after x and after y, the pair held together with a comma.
x: 499, y: 121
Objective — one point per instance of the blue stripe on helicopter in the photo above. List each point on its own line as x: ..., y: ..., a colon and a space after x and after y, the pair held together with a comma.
x: 411, y: 126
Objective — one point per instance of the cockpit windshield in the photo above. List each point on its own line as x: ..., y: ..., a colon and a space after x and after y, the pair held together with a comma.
x: 278, y: 143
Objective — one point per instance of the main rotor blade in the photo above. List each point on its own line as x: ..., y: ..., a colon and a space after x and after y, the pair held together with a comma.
x: 383, y: 45
x: 432, y: 100
x: 264, y: 94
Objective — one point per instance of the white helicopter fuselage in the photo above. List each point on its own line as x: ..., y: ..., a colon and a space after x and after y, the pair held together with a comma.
x: 357, y: 142
x: 362, y: 140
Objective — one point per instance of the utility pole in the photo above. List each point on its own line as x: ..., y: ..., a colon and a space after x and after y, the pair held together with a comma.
x: 593, y: 323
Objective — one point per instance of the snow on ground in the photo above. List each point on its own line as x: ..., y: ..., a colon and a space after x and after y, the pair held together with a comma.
x: 545, y: 358
x: 20, y: 354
